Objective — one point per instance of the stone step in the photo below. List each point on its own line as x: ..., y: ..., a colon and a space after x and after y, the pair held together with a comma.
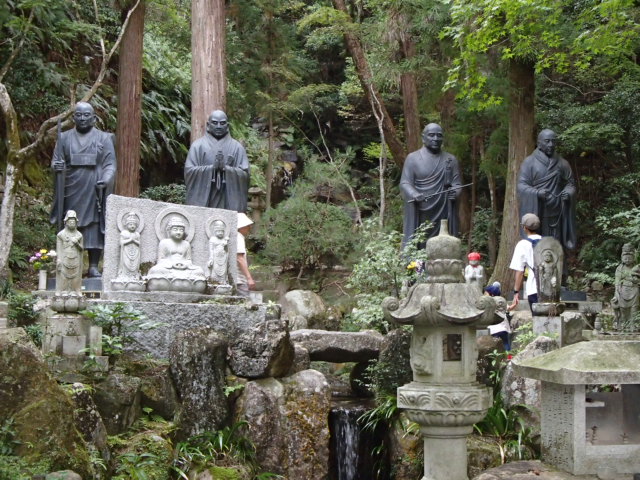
x: 4, y: 323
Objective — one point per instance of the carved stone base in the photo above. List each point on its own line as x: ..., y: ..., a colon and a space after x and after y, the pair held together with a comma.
x: 446, y: 414
x: 128, y: 285
x: 68, y: 302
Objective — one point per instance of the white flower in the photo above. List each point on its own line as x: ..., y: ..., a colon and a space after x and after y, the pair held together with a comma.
x: 52, y: 253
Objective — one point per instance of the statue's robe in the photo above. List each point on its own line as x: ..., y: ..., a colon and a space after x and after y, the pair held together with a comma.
x: 428, y: 173
x: 208, y: 188
x: 557, y: 217
x: 88, y: 158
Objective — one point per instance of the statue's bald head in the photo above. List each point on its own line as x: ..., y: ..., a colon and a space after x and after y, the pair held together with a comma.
x: 84, y: 117
x: 432, y: 137
x: 217, y: 124
x: 547, y: 142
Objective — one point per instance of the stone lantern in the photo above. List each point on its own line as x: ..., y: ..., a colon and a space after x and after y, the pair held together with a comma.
x: 444, y: 397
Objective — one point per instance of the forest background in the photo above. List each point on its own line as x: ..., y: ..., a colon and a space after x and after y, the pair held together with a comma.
x: 328, y: 97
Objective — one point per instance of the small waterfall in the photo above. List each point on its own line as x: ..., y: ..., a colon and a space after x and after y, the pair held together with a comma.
x: 351, y: 448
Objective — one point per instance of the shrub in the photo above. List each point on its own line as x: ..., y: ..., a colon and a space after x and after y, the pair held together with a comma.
x: 172, y: 193
x: 306, y: 234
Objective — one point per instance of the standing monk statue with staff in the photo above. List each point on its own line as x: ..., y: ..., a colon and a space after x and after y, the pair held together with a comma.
x: 430, y: 186
x: 547, y: 189
x: 84, y: 160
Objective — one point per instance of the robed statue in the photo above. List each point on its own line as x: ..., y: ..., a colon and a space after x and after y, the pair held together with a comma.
x: 546, y: 187
x: 84, y: 161
x: 430, y: 186
x: 216, y: 172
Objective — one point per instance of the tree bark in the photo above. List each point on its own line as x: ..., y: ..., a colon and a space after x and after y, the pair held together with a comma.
x: 398, y: 152
x: 129, y: 127
x: 521, y: 144
x: 208, y: 65
x: 9, y: 197
x: 409, y: 88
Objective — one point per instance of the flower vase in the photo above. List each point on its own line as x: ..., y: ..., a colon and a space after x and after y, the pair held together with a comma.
x: 42, y: 279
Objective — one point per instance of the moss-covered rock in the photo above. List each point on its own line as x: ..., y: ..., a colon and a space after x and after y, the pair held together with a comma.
x: 42, y: 411
x: 146, y: 454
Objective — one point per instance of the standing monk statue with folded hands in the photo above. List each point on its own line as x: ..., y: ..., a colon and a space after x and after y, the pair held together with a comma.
x: 216, y: 172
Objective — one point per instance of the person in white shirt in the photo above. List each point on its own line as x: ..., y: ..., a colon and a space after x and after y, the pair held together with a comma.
x: 245, y: 281
x: 523, y: 259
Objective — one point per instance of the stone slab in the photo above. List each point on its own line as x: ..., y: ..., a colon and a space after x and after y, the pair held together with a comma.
x: 152, y: 214
x: 339, y: 347
x: 74, y: 345
x: 228, y: 320
x: 169, y: 297
x: 596, y: 362
x: 4, y: 309
x: 568, y: 327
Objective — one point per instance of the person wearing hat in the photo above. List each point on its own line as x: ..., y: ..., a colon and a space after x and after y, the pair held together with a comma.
x: 523, y: 259
x: 500, y: 330
x: 245, y: 281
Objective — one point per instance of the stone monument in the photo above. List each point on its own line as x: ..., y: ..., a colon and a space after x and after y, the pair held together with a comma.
x: 546, y: 187
x: 218, y: 254
x: 84, y: 161
x: 166, y: 257
x: 586, y: 428
x: 430, y: 185
x: 626, y: 298
x: 444, y: 398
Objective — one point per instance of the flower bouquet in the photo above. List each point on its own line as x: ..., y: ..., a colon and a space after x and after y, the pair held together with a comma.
x: 43, y: 259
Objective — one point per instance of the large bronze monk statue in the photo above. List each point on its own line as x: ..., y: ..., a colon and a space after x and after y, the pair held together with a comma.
x: 216, y: 172
x: 425, y: 174
x: 84, y: 160
x: 546, y: 187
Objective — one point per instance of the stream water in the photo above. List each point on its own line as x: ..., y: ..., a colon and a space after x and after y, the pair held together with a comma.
x: 351, y: 449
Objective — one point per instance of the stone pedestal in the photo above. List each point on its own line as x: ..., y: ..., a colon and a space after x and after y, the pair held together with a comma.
x: 444, y: 398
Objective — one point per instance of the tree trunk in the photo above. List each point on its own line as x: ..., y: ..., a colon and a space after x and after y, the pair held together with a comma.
x: 9, y: 197
x: 409, y: 88
x: 129, y: 127
x: 361, y: 64
x: 268, y: 174
x: 208, y: 65
x: 521, y: 143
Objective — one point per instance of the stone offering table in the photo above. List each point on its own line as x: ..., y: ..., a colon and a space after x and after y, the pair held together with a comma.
x: 586, y: 427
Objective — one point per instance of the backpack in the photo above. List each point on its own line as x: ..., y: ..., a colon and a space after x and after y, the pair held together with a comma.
x: 534, y: 242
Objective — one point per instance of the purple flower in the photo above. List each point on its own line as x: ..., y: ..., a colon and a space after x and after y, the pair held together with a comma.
x: 38, y: 255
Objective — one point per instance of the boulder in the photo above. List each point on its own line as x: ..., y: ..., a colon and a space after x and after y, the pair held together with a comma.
x: 406, y: 451
x: 482, y: 453
x: 88, y: 420
x: 118, y: 401
x: 42, y: 412
x: 518, y: 390
x: 264, y: 350
x: 197, y: 359
x: 63, y: 475
x: 158, y: 392
x: 288, y: 423
x: 304, y: 309
x: 394, y: 367
x: 301, y: 360
x: 339, y: 347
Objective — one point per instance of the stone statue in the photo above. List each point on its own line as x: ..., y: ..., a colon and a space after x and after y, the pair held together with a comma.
x: 216, y: 172
x: 425, y: 174
x: 130, y: 247
x: 174, y: 270
x: 626, y: 298
x: 219, y: 253
x: 548, y: 260
x: 69, y: 246
x: 546, y: 188
x: 474, y: 272
x: 84, y: 160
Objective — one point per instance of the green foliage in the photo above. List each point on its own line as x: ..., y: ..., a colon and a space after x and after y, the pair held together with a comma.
x: 36, y: 334
x: 505, y: 424
x: 8, y: 440
x: 172, y: 193
x: 21, y: 309
x: 118, y: 322
x: 306, y: 234
x: 225, y: 446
